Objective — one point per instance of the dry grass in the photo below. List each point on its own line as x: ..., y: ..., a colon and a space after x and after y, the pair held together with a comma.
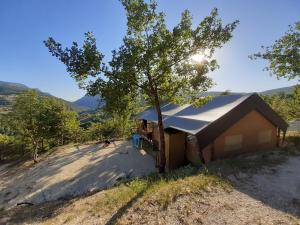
x: 160, y: 189
x: 112, y: 204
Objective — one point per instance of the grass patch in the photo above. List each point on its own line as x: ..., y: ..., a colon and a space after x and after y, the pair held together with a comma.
x: 156, y: 188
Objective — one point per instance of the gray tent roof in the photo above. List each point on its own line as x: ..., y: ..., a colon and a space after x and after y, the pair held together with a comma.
x: 192, y: 120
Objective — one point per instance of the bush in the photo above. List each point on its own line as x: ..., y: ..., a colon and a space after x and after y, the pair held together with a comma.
x: 111, y: 129
x: 10, y: 147
x: 107, y: 129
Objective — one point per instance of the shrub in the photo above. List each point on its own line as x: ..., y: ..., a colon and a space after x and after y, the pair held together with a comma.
x: 10, y: 147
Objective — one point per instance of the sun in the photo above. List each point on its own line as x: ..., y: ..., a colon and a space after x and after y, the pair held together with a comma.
x: 201, y: 56
x: 198, y: 58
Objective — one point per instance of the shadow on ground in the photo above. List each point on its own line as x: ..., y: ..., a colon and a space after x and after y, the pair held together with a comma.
x: 271, y: 177
x: 67, y: 175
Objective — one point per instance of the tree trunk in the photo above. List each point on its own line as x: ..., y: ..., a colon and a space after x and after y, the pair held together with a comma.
x: 1, y: 152
x: 35, y: 153
x: 162, y: 155
x: 42, y: 141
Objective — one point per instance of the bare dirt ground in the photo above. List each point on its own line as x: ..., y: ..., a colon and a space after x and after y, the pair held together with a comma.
x: 266, y: 195
x: 270, y: 196
x: 71, y: 172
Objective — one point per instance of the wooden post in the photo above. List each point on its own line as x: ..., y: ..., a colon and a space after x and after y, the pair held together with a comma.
x: 283, y: 137
x: 278, y: 137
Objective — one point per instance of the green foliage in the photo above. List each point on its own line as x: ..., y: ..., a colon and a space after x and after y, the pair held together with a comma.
x: 5, y: 139
x: 160, y: 189
x: 110, y: 128
x: 284, y: 55
x: 287, y: 106
x: 200, y: 101
x: 226, y: 92
x: 10, y: 147
x: 41, y: 122
x: 153, y: 59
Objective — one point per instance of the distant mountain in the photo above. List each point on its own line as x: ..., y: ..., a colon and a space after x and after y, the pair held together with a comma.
x: 92, y: 102
x: 286, y: 90
x: 217, y: 93
x: 89, y: 102
x: 9, y: 90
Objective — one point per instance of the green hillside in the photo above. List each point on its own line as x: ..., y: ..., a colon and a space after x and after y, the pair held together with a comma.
x: 9, y: 90
x: 286, y: 90
x: 89, y: 102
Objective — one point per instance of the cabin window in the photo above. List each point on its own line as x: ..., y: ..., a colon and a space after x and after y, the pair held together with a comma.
x: 264, y: 136
x: 233, y: 142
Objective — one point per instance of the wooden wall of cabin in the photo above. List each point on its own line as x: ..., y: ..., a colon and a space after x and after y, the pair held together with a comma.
x: 175, y: 150
x: 252, y: 133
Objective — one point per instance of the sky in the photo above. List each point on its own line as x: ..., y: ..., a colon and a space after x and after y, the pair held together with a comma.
x: 24, y: 24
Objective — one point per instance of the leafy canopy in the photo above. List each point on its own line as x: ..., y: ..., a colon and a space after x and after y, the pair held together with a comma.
x: 152, y: 58
x: 284, y: 55
x: 38, y: 120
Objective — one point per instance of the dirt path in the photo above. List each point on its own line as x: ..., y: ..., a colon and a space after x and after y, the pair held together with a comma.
x: 278, y: 187
x: 72, y: 171
x: 217, y: 207
x: 271, y: 197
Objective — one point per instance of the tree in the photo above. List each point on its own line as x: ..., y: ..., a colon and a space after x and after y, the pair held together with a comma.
x: 295, y: 105
x: 280, y: 103
x: 24, y: 119
x: 120, y: 105
x: 153, y: 60
x: 286, y: 105
x: 284, y: 55
x: 226, y: 92
x: 38, y: 119
x: 60, y: 123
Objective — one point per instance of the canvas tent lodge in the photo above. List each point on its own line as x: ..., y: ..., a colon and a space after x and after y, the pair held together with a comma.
x: 226, y: 126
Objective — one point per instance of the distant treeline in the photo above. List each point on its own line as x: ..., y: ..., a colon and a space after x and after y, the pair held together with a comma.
x: 286, y: 105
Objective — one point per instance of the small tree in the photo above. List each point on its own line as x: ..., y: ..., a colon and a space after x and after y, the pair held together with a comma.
x: 226, y: 92
x: 39, y: 119
x: 295, y: 105
x: 24, y: 119
x: 153, y: 59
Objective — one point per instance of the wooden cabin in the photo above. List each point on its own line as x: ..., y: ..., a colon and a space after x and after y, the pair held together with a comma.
x: 226, y: 126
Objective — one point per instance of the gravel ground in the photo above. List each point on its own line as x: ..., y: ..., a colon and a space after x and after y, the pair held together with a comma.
x: 217, y: 207
x: 71, y: 172
x: 271, y: 196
